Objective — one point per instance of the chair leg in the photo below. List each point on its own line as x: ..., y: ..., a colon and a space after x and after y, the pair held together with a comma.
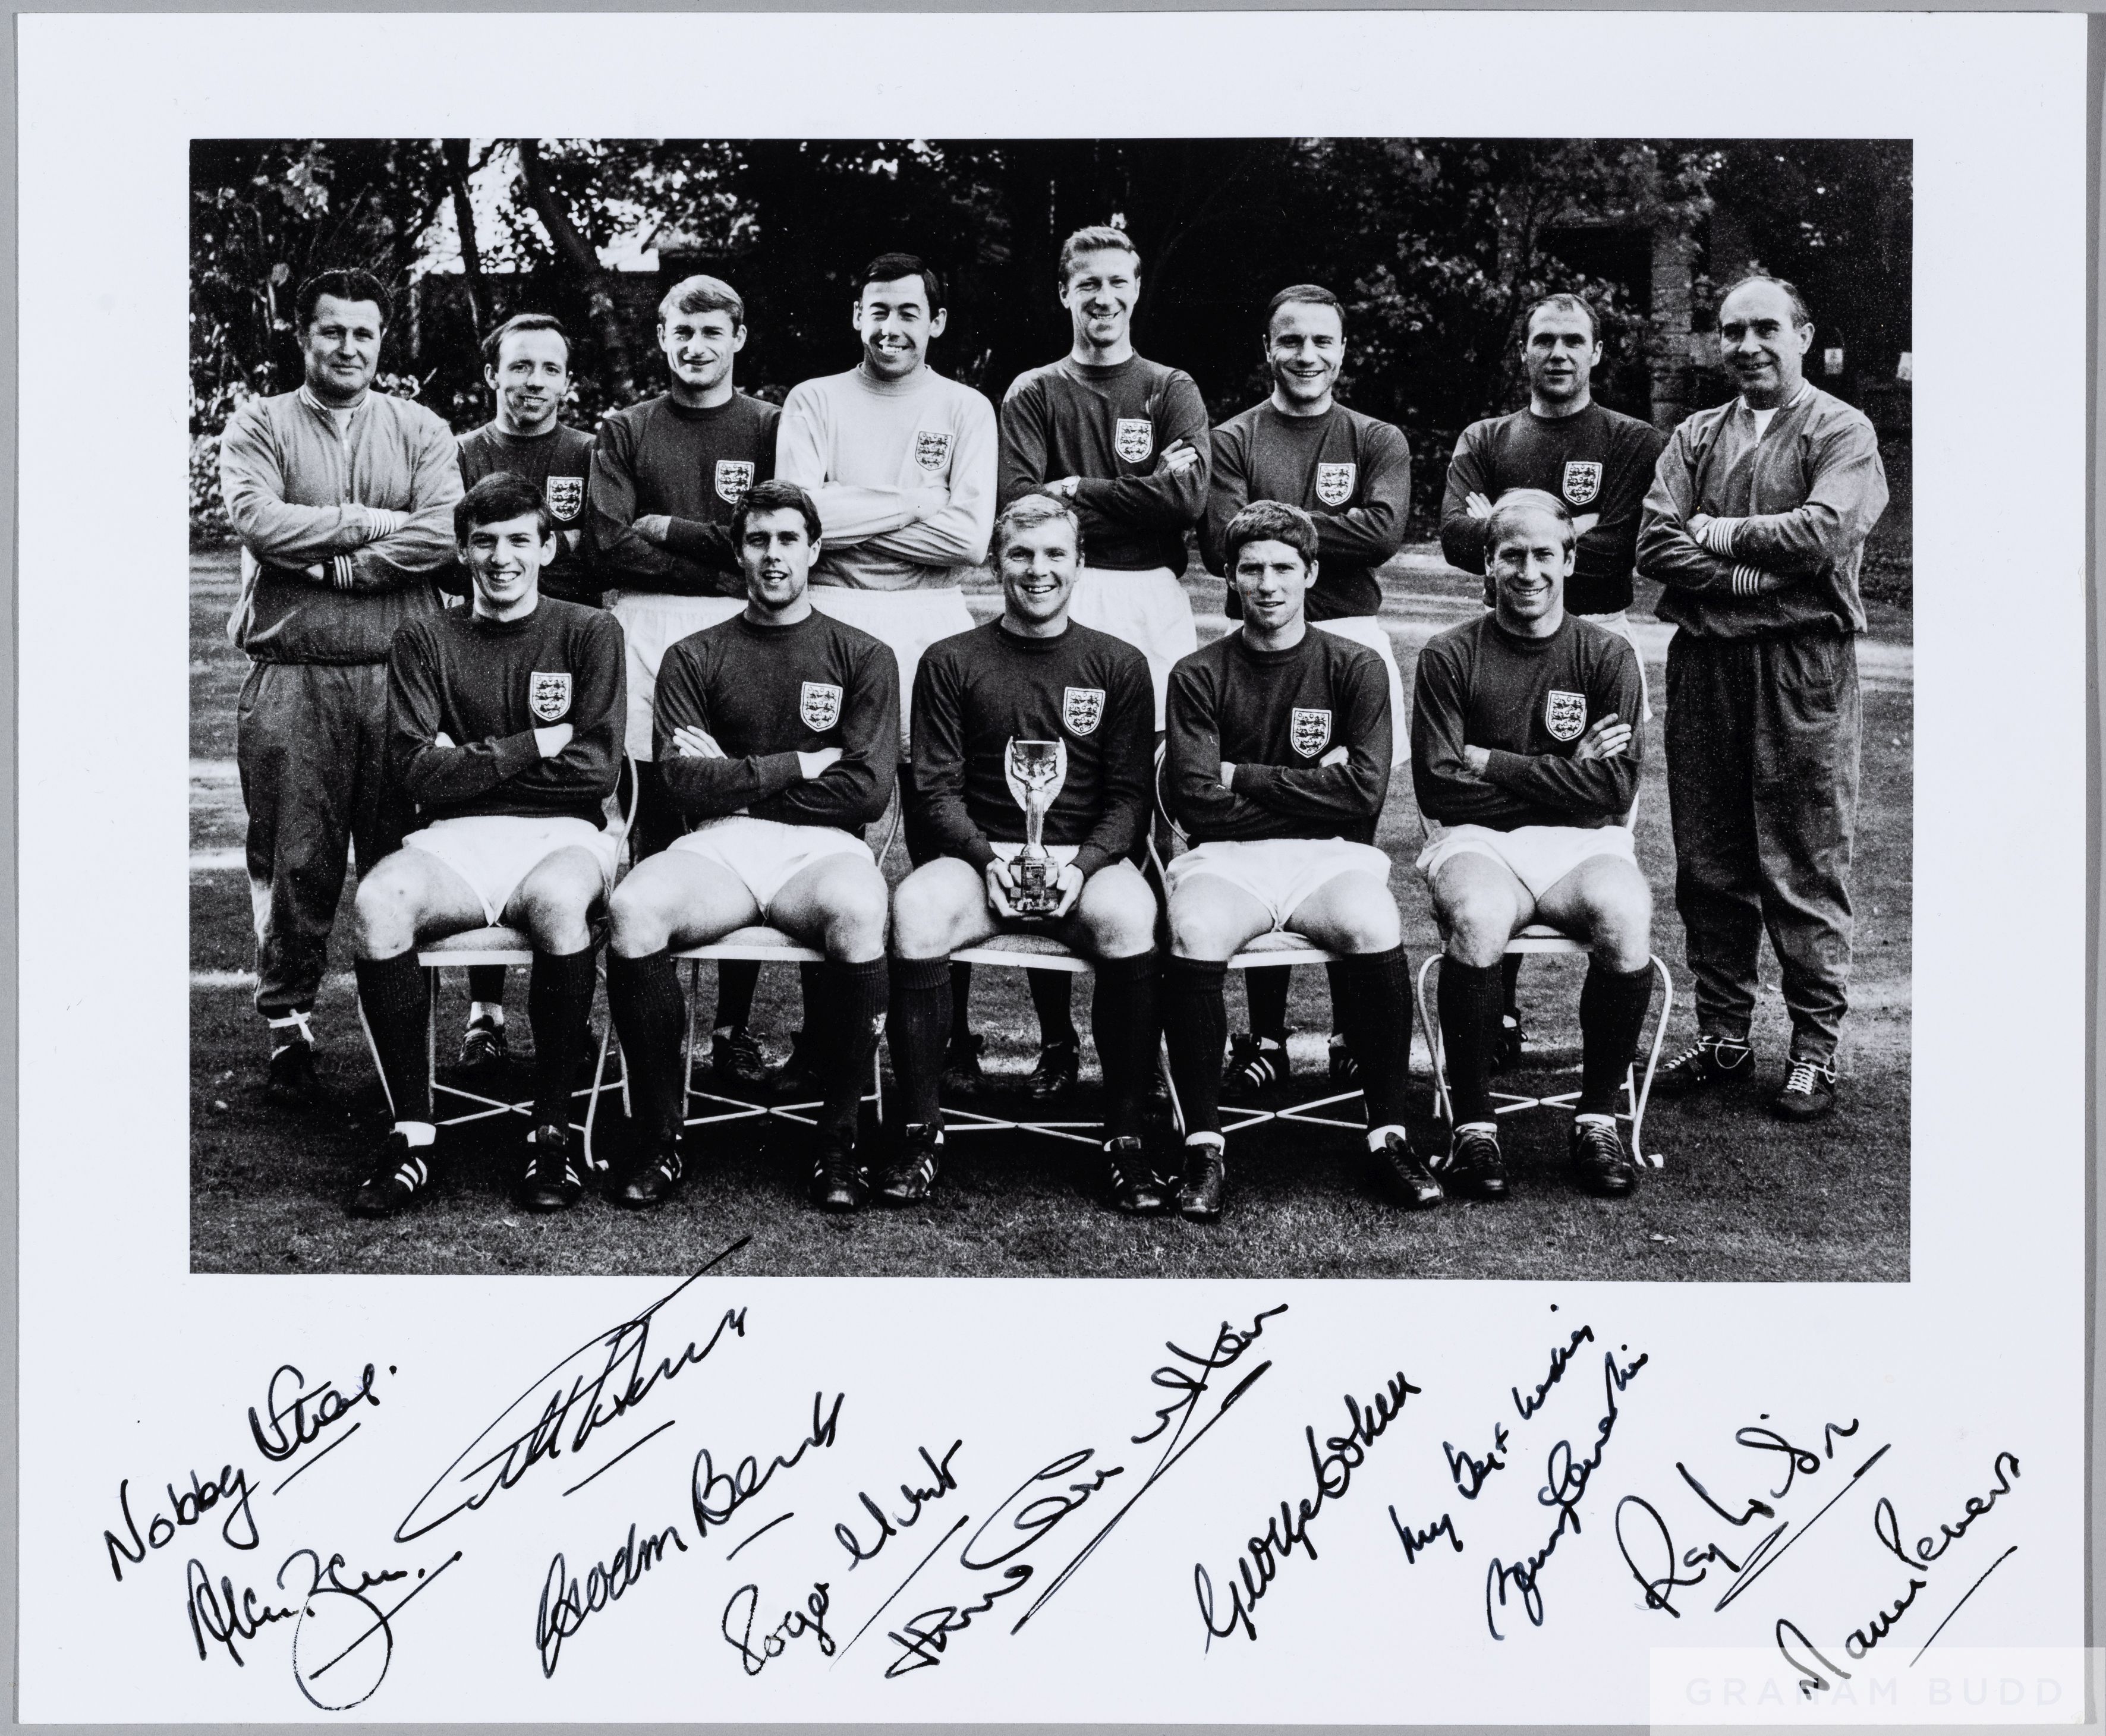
x: 374, y: 1050
x: 1639, y: 1098
x: 1169, y: 1084
x: 593, y: 1165
x: 1431, y: 1026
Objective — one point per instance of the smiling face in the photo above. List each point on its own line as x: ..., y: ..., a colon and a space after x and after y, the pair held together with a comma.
x: 1762, y: 348
x: 1304, y: 348
x: 340, y: 349
x: 1099, y: 295
x: 504, y: 559
x: 1560, y: 355
x: 1271, y: 579
x: 775, y: 554
x: 895, y: 322
x: 1529, y: 564
x: 698, y: 348
x: 1039, y: 567
x: 532, y: 374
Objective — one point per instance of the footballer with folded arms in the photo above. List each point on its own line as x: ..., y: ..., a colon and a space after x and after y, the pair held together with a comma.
x: 1526, y: 765
x: 504, y: 729
x: 1031, y: 677
x: 777, y: 736
x: 1279, y: 758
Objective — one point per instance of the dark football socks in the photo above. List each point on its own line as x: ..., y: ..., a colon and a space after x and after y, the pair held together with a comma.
x: 1373, y: 1005
x: 1195, y: 1024
x: 1470, y: 1002
x: 1124, y: 1021
x: 1612, y: 1012
x: 485, y: 982
x: 650, y: 1017
x: 393, y: 995
x: 848, y: 1009
x: 1266, y: 990
x: 918, y: 1026
x: 961, y: 996
x: 1509, y: 977
x: 736, y: 979
x: 559, y: 997
x: 1053, y: 998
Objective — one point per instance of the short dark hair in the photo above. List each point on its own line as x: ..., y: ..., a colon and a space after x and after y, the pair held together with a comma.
x: 775, y: 496
x: 1516, y: 501
x: 1271, y: 521
x: 351, y: 285
x: 702, y: 293
x: 497, y: 497
x: 1027, y: 511
x: 1313, y: 295
x: 1565, y: 302
x: 1098, y: 238
x: 888, y: 268
x: 493, y: 346
x: 1801, y: 315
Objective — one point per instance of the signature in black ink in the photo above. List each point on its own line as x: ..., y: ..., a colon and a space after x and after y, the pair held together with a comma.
x: 1415, y: 1540
x: 1333, y: 1470
x: 596, y: 1385
x: 566, y: 1601
x: 1564, y: 1483
x: 230, y: 1489
x: 309, y: 1410
x: 1560, y: 1356
x: 1469, y: 1472
x: 915, y: 1499
x: 717, y: 1495
x: 741, y: 1612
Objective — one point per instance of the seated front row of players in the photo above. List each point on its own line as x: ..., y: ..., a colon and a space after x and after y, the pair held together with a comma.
x: 777, y: 730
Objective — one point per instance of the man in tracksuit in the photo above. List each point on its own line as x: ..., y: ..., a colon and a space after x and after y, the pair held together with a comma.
x: 1756, y: 522
x: 343, y: 499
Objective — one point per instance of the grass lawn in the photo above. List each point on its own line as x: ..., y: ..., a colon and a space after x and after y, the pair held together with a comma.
x: 1742, y: 1196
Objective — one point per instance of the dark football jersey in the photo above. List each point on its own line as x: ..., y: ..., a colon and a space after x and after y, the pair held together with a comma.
x: 558, y: 463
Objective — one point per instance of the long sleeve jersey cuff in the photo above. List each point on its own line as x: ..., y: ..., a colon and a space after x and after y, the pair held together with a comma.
x: 514, y: 753
x: 1718, y: 536
x: 381, y: 523
x: 1503, y: 768
x: 977, y: 851
x: 1255, y: 781
x: 1090, y: 857
x: 341, y: 574
x: 1747, y: 581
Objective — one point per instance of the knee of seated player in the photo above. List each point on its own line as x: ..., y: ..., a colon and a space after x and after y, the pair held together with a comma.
x: 1620, y: 909
x: 1477, y: 914
x: 1204, y: 926
x: 554, y: 905
x: 1353, y: 914
x: 639, y: 923
x: 1116, y: 912
x: 857, y: 908
x: 927, y: 906
x: 386, y: 910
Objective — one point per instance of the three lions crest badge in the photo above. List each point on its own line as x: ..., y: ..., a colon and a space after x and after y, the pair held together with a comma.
x: 1334, y: 483
x: 932, y: 448
x: 819, y: 705
x: 566, y: 495
x: 1134, y: 439
x: 548, y: 695
x: 1583, y: 481
x: 734, y: 477
x: 1564, y: 714
x: 1082, y: 710
x: 1309, y: 730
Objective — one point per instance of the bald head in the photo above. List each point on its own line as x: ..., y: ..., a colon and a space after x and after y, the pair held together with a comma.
x: 1763, y: 336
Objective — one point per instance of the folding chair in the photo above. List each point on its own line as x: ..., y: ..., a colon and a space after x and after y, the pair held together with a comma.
x: 497, y: 944
x: 1278, y: 947
x: 1023, y: 951
x: 764, y: 944
x: 1543, y: 938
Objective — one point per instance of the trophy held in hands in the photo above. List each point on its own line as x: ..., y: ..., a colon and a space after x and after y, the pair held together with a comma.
x: 1036, y: 770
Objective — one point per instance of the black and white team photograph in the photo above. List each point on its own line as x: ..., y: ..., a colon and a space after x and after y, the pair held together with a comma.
x: 1211, y: 708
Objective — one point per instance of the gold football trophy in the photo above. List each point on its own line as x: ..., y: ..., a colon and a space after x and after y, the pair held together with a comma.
x: 1035, y: 768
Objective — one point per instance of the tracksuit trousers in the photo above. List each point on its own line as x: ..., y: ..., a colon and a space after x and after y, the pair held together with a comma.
x: 1762, y: 741
x: 310, y: 742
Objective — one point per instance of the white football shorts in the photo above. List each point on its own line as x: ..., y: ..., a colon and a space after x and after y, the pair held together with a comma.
x: 1539, y: 855
x: 1364, y: 630
x: 1280, y: 873
x: 494, y: 852
x: 767, y: 855
x: 652, y: 624
x: 908, y: 621
x: 1148, y: 609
